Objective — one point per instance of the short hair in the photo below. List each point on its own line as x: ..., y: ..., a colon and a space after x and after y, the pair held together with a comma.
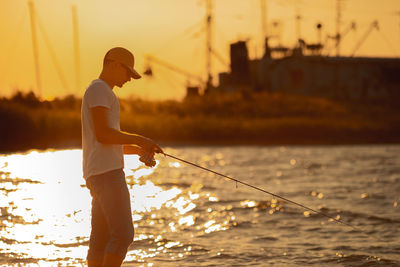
x: 106, y: 61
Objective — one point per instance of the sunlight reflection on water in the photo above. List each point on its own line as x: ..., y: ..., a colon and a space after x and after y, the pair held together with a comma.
x: 183, y: 213
x: 46, y: 207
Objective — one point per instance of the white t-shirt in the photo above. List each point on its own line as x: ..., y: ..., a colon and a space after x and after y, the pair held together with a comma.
x: 99, y: 158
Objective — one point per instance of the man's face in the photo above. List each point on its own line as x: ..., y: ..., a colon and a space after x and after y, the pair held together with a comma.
x: 123, y: 75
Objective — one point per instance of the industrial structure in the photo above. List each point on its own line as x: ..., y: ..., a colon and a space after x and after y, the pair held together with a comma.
x: 316, y: 75
x: 307, y: 68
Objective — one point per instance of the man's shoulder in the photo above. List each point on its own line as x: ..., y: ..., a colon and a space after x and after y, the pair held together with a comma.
x: 98, y: 94
x: 98, y: 84
x: 98, y: 87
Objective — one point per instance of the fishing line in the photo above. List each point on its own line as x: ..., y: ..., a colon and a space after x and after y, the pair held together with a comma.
x: 265, y: 191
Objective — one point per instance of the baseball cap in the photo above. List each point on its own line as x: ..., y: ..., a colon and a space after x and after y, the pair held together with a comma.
x: 125, y: 57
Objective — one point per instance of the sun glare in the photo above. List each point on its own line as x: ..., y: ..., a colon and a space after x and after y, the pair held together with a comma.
x: 46, y: 207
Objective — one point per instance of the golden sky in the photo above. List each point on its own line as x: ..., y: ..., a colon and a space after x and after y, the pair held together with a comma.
x: 172, y: 30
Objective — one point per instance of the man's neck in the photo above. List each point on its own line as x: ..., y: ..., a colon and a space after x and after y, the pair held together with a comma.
x: 107, y: 79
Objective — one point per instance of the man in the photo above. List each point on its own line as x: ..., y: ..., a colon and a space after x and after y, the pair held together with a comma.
x: 103, y: 145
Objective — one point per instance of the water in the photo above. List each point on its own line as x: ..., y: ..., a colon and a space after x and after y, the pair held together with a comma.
x: 185, y: 216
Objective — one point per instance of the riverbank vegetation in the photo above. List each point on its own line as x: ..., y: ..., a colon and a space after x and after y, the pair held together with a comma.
x: 267, y: 119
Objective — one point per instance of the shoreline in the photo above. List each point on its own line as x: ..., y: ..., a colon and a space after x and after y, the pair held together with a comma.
x: 265, y: 119
x: 213, y: 144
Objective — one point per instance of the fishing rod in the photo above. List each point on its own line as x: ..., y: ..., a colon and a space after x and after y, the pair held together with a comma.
x: 264, y: 191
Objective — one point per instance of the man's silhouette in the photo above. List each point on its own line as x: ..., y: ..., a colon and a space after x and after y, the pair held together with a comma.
x: 103, y: 145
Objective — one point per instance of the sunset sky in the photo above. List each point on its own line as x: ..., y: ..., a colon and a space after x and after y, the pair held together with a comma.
x: 171, y: 30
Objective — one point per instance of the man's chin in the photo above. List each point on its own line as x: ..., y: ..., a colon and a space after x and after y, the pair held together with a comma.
x: 121, y: 84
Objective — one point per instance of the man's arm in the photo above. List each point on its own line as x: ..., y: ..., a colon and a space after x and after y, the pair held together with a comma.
x: 106, y: 135
x: 133, y: 149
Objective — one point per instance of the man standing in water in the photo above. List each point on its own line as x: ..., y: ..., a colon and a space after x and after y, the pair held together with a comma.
x: 103, y: 145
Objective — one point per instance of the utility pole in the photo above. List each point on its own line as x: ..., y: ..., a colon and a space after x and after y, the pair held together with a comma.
x: 319, y: 33
x: 338, y: 22
x: 398, y: 13
x: 263, y: 19
x: 277, y: 26
x: 35, y: 47
x: 209, y: 24
x: 75, y: 29
x: 298, y: 19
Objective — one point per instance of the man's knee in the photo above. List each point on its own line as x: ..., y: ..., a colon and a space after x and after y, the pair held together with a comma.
x: 119, y: 243
x: 129, y: 236
x: 124, y: 238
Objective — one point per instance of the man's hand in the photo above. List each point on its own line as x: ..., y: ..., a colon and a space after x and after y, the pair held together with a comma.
x: 147, y: 158
x: 150, y: 146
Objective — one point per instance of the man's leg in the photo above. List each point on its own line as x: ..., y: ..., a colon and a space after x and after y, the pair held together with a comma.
x: 94, y: 263
x: 112, y: 260
x: 99, y: 232
x: 116, y: 206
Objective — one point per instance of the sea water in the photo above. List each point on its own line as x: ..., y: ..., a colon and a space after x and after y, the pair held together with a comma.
x: 185, y: 216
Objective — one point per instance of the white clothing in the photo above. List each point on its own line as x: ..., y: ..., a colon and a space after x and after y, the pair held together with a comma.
x: 99, y: 158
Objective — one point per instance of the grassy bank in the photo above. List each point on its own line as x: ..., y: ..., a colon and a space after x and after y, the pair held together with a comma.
x: 228, y: 119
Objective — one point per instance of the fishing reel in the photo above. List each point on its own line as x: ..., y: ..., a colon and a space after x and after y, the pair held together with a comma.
x: 148, y: 159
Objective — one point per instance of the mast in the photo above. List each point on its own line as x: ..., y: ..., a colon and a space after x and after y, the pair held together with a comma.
x: 75, y: 29
x: 209, y: 21
x: 35, y: 47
